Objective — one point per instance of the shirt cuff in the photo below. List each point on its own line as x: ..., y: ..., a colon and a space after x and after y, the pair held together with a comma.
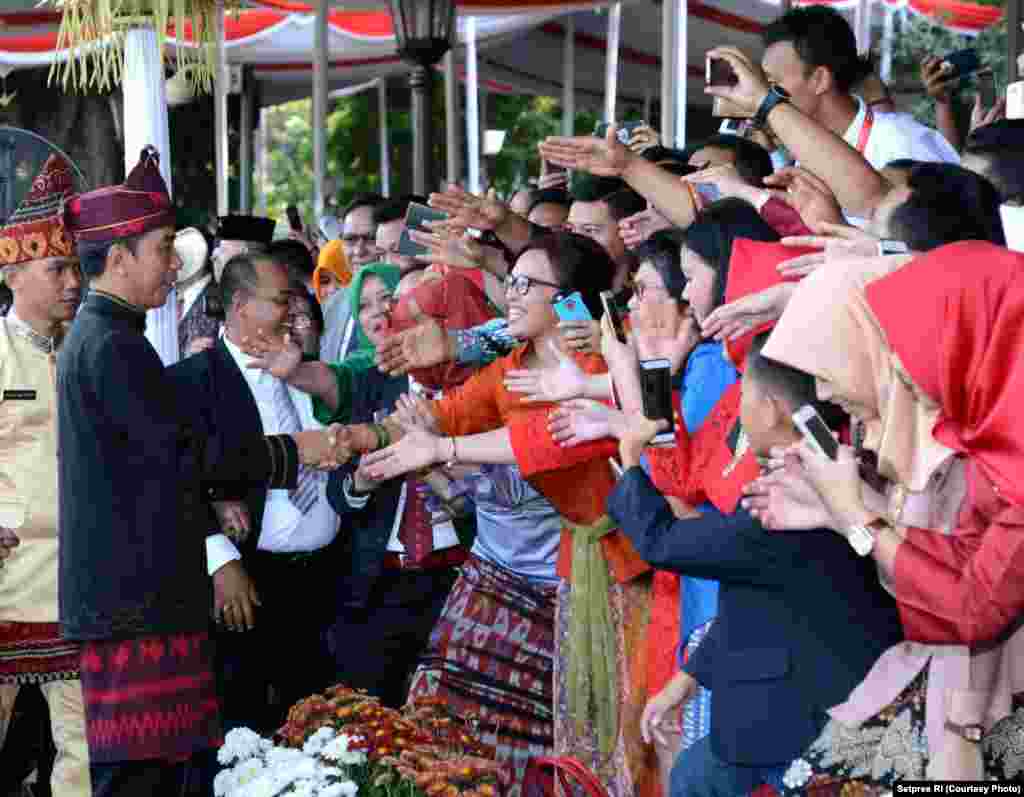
x: 219, y: 551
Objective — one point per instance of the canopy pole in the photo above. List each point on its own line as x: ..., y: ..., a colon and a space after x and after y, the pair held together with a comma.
x: 145, y: 124
x: 319, y: 106
x: 263, y: 152
x: 862, y: 26
x: 1014, y: 39
x: 453, y: 147
x: 220, y: 112
x: 569, y: 78
x: 385, y: 137
x: 484, y: 175
x: 472, y: 109
x: 648, y: 104
x: 611, y: 62
x: 245, y: 149
x: 888, y: 31
x: 682, y: 63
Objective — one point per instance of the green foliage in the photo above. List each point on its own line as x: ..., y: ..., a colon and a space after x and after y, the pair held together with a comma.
x: 918, y: 37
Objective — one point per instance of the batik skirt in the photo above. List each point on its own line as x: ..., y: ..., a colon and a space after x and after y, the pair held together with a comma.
x: 491, y: 656
x: 149, y: 698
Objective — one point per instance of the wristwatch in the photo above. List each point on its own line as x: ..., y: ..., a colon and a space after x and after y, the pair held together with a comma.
x: 862, y: 537
x: 972, y: 733
x: 888, y: 246
x: 776, y: 96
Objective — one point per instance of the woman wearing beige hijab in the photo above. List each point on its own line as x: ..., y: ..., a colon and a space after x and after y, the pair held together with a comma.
x: 924, y: 708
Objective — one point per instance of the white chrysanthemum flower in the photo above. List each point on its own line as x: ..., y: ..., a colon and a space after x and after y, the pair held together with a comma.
x: 224, y: 783
x: 303, y: 788
x: 247, y: 771
x: 303, y: 768
x: 315, y: 743
x: 346, y: 789
x: 797, y: 775
x: 283, y: 757
x: 325, y: 773
x: 239, y: 745
x: 266, y: 785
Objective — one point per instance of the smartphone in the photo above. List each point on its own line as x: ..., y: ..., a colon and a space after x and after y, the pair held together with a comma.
x: 816, y: 431
x: 964, y: 62
x: 709, y: 192
x: 732, y: 127
x: 656, y: 386
x: 623, y: 134
x: 987, y: 88
x: 719, y: 72
x: 294, y: 221
x: 415, y: 216
x: 571, y: 308
x: 612, y: 311
x: 330, y: 229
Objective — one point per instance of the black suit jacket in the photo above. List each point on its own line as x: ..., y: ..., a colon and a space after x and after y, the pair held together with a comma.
x: 361, y: 552
x: 801, y: 619
x: 214, y: 392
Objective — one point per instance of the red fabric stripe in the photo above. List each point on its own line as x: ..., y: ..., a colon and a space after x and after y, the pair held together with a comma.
x: 162, y: 687
x: 184, y: 716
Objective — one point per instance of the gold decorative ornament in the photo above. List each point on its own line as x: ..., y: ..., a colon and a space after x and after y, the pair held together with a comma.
x: 94, y: 31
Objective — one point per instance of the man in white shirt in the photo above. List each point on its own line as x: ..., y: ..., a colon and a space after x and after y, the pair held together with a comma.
x: 265, y: 588
x: 811, y: 53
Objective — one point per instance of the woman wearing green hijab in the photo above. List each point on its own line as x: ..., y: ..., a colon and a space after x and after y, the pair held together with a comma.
x: 396, y: 559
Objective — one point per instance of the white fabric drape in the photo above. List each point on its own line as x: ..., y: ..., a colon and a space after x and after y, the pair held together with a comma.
x: 145, y: 123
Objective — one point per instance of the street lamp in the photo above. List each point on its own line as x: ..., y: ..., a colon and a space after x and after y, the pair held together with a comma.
x: 425, y: 30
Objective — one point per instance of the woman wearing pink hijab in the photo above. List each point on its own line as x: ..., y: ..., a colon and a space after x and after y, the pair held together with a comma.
x: 933, y: 381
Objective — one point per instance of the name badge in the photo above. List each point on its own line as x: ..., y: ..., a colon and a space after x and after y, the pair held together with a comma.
x: 19, y: 395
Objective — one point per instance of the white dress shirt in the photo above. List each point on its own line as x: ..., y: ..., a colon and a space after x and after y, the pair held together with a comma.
x: 284, y: 528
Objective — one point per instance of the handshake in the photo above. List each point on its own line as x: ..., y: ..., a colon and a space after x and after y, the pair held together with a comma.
x: 325, y: 449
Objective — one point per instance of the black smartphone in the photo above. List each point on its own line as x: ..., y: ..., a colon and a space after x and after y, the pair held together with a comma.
x: 987, y: 88
x: 816, y: 431
x: 656, y: 386
x: 623, y: 133
x: 964, y: 62
x: 719, y: 72
x: 415, y: 215
x: 213, y: 305
x: 709, y: 192
x: 612, y: 311
x: 294, y: 220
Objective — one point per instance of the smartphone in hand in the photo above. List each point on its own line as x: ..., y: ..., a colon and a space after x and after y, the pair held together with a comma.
x: 612, y: 311
x: 656, y: 387
x: 816, y: 432
x: 571, y: 308
x: 415, y: 217
x: 987, y: 88
x: 294, y: 220
x: 624, y: 132
x: 963, y: 62
x: 719, y: 72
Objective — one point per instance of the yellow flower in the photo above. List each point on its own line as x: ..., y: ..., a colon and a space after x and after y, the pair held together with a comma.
x: 34, y: 244
x: 60, y: 241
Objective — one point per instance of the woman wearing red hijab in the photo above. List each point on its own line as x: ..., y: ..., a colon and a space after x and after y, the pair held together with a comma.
x: 933, y: 384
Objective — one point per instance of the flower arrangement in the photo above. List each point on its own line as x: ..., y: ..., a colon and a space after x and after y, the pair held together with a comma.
x: 344, y: 741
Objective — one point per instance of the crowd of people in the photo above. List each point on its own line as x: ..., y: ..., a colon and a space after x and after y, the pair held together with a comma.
x: 237, y: 470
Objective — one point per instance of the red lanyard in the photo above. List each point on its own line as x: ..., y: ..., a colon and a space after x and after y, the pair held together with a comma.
x: 865, y: 129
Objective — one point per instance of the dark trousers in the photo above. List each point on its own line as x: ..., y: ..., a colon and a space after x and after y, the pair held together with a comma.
x: 285, y: 655
x: 156, y: 778
x: 377, y: 647
x: 698, y: 772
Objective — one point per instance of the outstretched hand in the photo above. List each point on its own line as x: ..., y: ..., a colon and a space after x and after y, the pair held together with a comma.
x: 277, y: 356
x: 565, y: 380
x: 469, y: 210
x: 601, y: 156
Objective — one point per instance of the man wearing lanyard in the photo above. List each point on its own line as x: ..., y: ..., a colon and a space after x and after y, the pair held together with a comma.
x: 811, y: 55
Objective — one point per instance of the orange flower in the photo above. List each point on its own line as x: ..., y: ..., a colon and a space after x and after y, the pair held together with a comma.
x: 9, y: 250
x: 60, y: 241
x: 34, y: 244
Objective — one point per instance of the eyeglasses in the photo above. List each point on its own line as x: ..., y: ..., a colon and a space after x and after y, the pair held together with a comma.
x: 521, y: 284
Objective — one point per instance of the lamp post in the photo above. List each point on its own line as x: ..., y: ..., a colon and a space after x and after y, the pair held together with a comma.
x: 425, y: 30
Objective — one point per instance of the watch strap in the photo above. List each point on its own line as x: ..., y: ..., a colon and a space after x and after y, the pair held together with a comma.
x: 773, y: 98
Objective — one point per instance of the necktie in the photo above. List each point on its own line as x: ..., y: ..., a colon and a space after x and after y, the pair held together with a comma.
x: 305, y: 494
x: 416, y: 532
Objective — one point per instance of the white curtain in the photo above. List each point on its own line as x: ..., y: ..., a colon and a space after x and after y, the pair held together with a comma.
x: 145, y: 123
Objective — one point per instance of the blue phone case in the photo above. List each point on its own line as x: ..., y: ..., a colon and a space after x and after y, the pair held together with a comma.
x: 572, y: 308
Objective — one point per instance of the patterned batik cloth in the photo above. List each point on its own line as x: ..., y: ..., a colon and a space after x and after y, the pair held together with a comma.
x: 630, y: 613
x: 149, y: 698
x: 491, y: 655
x: 696, y: 721
x: 1003, y: 746
x: 35, y: 653
x: 866, y: 760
